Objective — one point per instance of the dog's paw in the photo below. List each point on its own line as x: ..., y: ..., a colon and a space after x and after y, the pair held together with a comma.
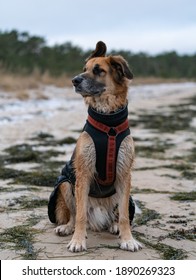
x: 77, y: 245
x: 130, y: 245
x: 114, y: 229
x: 64, y: 230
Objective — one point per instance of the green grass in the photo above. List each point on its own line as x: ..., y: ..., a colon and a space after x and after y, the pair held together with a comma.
x: 167, y: 252
x: 177, y: 118
x: 184, y: 196
x: 181, y: 234
x: 146, y: 215
x: 20, y: 238
x: 27, y: 153
x: 29, y: 203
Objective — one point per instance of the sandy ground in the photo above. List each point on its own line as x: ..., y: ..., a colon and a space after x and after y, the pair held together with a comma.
x: 35, y: 131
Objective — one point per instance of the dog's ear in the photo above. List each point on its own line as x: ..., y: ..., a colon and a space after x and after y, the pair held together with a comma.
x: 99, y: 51
x: 119, y: 64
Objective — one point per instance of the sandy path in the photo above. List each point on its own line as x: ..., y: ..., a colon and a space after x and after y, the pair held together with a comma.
x: 39, y: 128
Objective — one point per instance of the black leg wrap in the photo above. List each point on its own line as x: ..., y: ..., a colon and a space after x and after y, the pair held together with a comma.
x: 67, y: 175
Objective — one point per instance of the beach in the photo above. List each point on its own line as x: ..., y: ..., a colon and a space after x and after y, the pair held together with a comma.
x: 38, y: 131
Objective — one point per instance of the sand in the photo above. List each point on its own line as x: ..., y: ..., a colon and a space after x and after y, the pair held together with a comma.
x: 39, y: 125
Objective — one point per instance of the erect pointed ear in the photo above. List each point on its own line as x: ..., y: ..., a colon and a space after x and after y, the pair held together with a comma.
x: 121, y: 66
x: 100, y: 50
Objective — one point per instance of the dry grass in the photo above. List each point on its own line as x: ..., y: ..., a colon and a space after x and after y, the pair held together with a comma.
x: 157, y: 80
x: 21, y: 83
x: 17, y: 82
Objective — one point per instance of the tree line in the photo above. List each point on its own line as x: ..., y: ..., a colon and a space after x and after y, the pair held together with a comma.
x: 22, y: 53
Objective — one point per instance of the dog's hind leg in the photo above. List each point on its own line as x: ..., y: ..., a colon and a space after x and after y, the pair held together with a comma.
x: 65, y: 210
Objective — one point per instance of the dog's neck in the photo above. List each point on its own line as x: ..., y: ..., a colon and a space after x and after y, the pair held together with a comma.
x: 112, y: 119
x: 107, y: 104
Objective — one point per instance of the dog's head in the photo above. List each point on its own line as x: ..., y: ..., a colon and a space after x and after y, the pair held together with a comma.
x: 102, y: 74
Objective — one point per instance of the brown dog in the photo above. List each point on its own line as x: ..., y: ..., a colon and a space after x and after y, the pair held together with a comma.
x: 99, y: 186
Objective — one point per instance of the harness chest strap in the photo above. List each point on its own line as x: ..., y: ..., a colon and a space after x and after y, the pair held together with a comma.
x: 111, y: 132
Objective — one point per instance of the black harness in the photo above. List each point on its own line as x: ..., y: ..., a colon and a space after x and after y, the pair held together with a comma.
x: 107, y: 132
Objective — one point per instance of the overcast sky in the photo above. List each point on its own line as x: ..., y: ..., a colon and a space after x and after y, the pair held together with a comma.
x: 152, y: 26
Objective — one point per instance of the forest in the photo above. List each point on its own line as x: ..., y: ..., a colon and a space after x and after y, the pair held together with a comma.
x: 23, y: 53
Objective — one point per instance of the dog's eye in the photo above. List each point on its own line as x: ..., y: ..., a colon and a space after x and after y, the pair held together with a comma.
x: 98, y: 71
x: 84, y: 69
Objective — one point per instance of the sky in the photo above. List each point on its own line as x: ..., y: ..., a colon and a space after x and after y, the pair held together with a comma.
x: 150, y: 26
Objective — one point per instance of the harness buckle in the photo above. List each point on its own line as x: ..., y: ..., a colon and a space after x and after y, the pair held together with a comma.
x: 112, y: 132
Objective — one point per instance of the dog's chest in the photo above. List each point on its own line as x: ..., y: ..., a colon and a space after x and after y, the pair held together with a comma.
x: 107, y: 133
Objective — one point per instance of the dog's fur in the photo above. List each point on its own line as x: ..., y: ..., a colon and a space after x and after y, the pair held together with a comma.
x: 104, y: 86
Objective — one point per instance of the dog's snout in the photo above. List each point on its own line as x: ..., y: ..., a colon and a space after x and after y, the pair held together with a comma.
x: 77, y: 80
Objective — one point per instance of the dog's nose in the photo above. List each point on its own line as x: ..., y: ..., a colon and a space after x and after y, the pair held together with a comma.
x: 77, y: 80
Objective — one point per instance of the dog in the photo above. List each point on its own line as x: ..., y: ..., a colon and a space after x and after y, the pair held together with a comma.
x: 94, y: 187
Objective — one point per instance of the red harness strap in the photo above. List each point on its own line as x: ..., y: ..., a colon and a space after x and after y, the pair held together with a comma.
x: 112, y: 132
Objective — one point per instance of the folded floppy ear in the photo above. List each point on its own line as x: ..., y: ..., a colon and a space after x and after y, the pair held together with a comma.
x: 119, y: 64
x: 100, y: 50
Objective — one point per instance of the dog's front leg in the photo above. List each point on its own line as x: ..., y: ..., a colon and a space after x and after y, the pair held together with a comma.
x: 127, y: 241
x: 78, y: 242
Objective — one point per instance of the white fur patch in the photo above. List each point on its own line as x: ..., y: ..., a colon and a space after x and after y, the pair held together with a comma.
x: 99, y: 218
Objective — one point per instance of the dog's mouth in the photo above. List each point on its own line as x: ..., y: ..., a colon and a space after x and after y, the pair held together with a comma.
x: 90, y: 92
